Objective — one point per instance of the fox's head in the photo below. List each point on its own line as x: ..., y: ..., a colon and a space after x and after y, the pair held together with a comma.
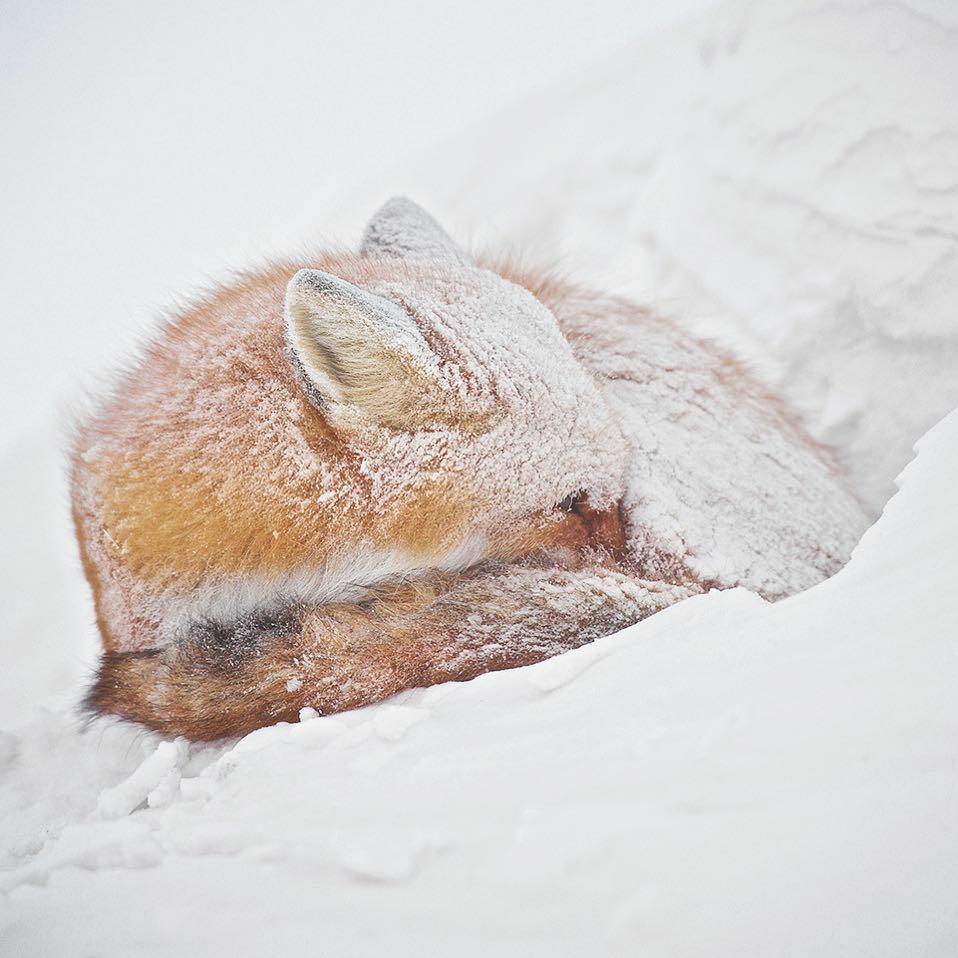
x: 308, y: 432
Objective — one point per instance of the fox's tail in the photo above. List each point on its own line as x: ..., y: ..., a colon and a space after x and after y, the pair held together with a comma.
x: 222, y: 683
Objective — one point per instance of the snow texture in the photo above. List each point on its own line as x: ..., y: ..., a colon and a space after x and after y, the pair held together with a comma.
x: 727, y: 777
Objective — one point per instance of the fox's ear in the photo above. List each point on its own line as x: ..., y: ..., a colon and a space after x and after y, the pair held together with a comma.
x: 405, y: 230
x: 356, y: 350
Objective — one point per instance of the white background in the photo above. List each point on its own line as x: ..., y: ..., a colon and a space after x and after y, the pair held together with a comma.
x: 150, y: 146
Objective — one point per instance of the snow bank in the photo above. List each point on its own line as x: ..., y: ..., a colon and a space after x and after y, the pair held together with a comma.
x: 728, y: 777
x: 787, y: 168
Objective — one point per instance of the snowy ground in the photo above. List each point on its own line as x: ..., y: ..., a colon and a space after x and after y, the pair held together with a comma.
x: 728, y: 777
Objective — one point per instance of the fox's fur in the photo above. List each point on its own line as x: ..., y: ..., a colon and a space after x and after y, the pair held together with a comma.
x: 323, y: 485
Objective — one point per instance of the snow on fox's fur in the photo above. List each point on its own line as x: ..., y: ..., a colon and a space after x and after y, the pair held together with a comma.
x: 324, y: 484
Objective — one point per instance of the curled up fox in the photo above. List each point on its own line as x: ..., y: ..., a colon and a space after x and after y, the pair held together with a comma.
x: 343, y: 476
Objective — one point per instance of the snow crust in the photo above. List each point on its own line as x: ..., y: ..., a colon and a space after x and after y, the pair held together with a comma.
x: 727, y: 777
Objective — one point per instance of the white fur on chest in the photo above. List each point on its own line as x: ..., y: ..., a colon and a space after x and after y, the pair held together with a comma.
x: 347, y: 579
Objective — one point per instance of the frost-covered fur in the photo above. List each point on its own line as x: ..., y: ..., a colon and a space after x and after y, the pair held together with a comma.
x: 324, y: 484
x: 721, y: 475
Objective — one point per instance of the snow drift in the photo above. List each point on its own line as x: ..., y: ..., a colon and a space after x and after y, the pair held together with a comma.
x: 728, y: 777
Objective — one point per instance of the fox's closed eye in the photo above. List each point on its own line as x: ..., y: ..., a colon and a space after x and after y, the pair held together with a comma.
x: 571, y: 502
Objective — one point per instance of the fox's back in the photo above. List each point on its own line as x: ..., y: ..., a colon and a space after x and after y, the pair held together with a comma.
x: 723, y: 481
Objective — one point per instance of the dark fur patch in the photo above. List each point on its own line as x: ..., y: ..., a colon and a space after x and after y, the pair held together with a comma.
x: 230, y: 642
x: 193, y: 686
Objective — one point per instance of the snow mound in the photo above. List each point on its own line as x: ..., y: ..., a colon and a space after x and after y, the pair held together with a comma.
x: 727, y: 777
x: 786, y: 167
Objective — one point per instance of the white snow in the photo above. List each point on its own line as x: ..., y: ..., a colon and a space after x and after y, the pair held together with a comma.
x: 155, y: 781
x: 729, y: 777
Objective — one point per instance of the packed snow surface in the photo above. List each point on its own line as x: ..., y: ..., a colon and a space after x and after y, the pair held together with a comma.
x: 729, y: 777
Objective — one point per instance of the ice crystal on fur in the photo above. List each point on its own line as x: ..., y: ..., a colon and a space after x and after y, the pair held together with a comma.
x: 419, y: 468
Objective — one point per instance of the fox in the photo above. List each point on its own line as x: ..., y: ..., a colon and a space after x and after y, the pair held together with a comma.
x: 344, y: 475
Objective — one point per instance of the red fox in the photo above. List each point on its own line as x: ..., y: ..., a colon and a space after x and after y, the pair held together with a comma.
x: 326, y: 483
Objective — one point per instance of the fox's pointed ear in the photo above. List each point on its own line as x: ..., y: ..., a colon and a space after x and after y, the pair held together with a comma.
x: 405, y: 230
x: 358, y: 351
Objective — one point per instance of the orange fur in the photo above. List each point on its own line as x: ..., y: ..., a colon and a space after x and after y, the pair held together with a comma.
x: 217, y: 480
x: 341, y: 656
x: 167, y: 499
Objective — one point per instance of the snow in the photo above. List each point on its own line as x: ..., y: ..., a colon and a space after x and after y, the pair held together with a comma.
x: 155, y: 781
x: 727, y: 777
